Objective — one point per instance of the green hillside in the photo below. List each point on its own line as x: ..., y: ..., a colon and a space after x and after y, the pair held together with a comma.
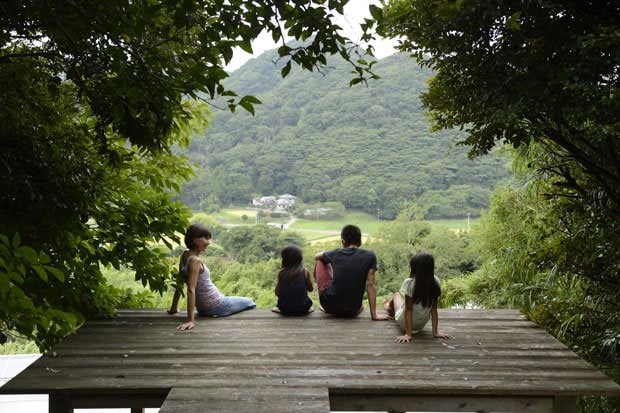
x: 313, y: 136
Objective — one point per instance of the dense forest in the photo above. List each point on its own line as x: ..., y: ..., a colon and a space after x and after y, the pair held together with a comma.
x: 367, y: 147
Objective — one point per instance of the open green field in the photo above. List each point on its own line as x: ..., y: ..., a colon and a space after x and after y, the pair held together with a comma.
x: 236, y: 216
x: 455, y: 224
x: 366, y: 222
x: 318, y: 230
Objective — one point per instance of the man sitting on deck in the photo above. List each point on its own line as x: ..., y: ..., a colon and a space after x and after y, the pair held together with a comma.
x: 344, y: 273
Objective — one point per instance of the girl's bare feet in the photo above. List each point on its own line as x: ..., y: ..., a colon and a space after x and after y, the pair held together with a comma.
x: 276, y: 310
x: 388, y: 306
x: 173, y: 311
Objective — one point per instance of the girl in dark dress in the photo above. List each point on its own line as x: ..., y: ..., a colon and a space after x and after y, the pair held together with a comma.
x: 293, y: 284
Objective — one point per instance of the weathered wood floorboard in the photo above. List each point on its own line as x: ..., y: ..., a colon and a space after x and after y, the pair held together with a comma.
x: 258, y: 361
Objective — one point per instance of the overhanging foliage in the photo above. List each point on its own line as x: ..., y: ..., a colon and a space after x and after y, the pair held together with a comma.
x: 94, y: 96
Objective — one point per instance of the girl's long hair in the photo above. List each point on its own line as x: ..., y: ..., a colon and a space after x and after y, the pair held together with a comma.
x: 426, y: 290
x: 292, y: 266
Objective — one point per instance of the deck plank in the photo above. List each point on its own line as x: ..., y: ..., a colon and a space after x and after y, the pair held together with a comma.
x: 259, y: 361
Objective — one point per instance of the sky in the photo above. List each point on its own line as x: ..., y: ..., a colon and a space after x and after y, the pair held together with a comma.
x: 354, y: 13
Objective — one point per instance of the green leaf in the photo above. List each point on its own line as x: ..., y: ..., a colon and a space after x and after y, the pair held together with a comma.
x: 513, y: 21
x: 227, y: 54
x: 286, y: 69
x: 40, y: 272
x: 251, y: 99
x: 44, y: 258
x: 246, y: 46
x: 355, y: 81
x: 16, y: 240
x: 247, y: 106
x: 60, y: 276
x: 88, y: 246
x: 28, y: 254
x: 376, y: 12
x: 5, y: 286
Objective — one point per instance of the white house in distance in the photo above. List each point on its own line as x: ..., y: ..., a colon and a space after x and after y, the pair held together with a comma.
x: 276, y: 204
x: 265, y: 201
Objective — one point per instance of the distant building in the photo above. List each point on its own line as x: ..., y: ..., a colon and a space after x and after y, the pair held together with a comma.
x: 284, y: 202
x: 265, y: 201
x: 278, y: 204
x: 315, y: 213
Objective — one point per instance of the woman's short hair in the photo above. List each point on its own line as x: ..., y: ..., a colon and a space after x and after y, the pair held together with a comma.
x: 196, y: 231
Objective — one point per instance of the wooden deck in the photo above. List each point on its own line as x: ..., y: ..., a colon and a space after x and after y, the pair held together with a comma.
x: 259, y: 361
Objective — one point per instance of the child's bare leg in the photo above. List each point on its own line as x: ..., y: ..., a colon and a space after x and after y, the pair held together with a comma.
x: 388, y: 306
x: 397, y: 302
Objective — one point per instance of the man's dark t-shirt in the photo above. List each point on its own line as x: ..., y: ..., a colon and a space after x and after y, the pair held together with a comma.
x: 350, y: 266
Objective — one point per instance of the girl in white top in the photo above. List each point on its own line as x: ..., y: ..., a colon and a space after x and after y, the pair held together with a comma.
x: 202, y: 295
x: 416, y: 302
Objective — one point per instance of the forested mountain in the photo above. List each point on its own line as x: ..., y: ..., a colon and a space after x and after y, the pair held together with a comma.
x: 313, y: 136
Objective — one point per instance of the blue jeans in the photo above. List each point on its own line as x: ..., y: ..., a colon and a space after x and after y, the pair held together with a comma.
x: 230, y: 305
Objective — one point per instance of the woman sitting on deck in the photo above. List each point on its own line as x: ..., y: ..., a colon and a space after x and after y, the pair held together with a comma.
x: 202, y: 294
x: 416, y: 301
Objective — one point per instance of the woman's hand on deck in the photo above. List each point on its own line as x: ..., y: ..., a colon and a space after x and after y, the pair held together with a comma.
x: 186, y: 326
x: 403, y: 339
x: 442, y: 335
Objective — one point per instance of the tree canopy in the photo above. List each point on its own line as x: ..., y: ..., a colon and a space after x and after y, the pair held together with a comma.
x: 94, y: 96
x: 543, y: 77
x: 518, y: 72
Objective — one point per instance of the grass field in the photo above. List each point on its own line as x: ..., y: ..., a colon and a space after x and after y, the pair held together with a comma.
x: 455, y: 224
x: 313, y: 227
x: 235, y: 216
x: 366, y: 222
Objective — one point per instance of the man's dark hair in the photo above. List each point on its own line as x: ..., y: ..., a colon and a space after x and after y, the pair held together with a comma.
x: 351, y: 235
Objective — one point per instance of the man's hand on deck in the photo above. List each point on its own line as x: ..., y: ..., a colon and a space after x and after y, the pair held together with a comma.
x: 381, y: 317
x: 442, y: 335
x: 186, y: 326
x: 403, y: 339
